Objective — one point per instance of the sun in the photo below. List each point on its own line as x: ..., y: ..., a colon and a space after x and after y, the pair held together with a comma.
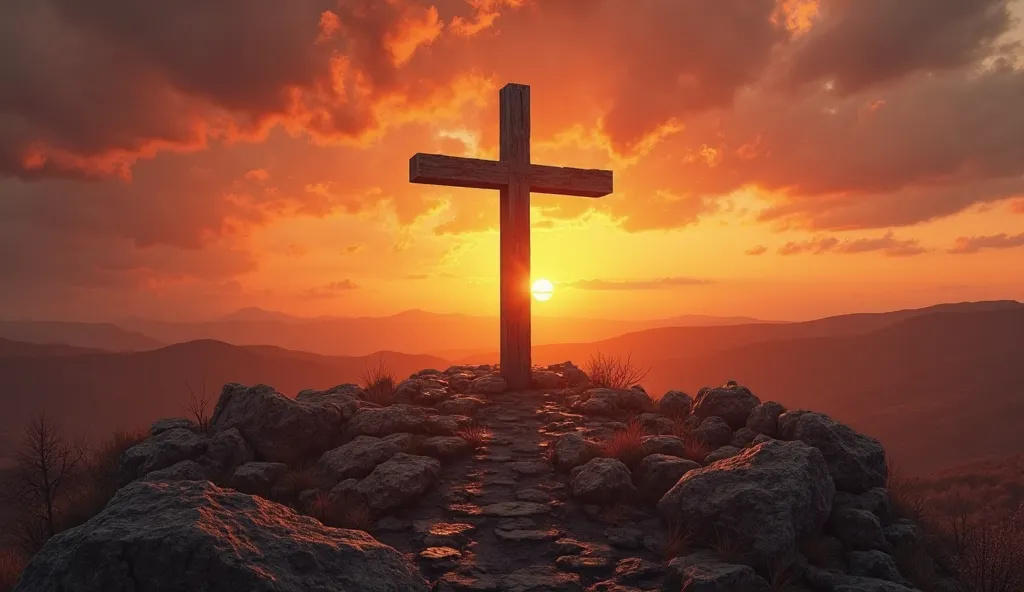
x: 542, y: 290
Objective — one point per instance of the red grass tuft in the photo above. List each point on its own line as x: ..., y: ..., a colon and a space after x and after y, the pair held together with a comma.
x: 678, y: 542
x: 379, y: 384
x: 695, y: 447
x: 476, y: 436
x: 626, y: 445
x: 614, y: 372
x: 340, y: 513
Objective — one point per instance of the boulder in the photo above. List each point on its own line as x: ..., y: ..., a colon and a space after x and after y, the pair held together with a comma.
x: 714, y: 432
x: 445, y: 447
x: 192, y: 535
x: 491, y: 384
x: 652, y: 423
x: 875, y: 500
x: 612, y: 403
x: 359, y: 457
x: 464, y: 405
x: 546, y: 380
x: 431, y: 396
x: 721, y: 453
x: 875, y: 564
x: 602, y: 481
x: 571, y: 373
x: 703, y: 572
x: 837, y: 581
x: 675, y: 404
x: 859, y: 530
x: 902, y: 533
x: 258, y: 478
x: 385, y: 421
x: 160, y: 451
x: 446, y: 425
x: 659, y: 472
x: 540, y: 578
x: 186, y: 470
x: 162, y: 425
x: 733, y: 403
x: 393, y: 484
x: 857, y: 462
x: 279, y: 429
x: 764, y: 419
x: 765, y: 499
x: 669, y: 445
x: 743, y: 438
x: 226, y: 451
x: 573, y: 450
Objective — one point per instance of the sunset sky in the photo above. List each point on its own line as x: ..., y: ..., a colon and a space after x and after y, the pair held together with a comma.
x: 784, y: 159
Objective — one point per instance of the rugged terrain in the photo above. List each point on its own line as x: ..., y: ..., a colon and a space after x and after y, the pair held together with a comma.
x: 462, y: 486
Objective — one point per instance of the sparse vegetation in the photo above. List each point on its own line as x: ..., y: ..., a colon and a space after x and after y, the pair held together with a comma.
x: 988, y: 555
x: 905, y: 502
x: 340, y: 513
x: 727, y: 548
x: 475, y: 435
x: 614, y: 372
x: 199, y: 405
x: 782, y: 574
x: 626, y: 445
x: 12, y: 564
x: 379, y: 383
x: 679, y: 541
x: 694, y: 446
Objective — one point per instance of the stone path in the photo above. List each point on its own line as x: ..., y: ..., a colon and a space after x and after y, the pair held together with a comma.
x: 504, y: 519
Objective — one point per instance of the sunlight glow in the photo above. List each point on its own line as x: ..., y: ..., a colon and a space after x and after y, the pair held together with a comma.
x: 543, y: 290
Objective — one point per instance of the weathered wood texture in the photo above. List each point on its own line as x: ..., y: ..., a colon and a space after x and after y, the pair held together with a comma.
x: 515, y: 237
x: 515, y: 177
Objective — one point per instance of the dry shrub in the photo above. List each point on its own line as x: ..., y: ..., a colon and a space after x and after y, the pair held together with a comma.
x: 783, y: 574
x: 614, y: 372
x: 101, y: 479
x: 626, y: 445
x: 915, y: 561
x: 727, y: 548
x: 475, y: 435
x: 12, y: 564
x: 904, y: 501
x: 988, y: 555
x: 695, y: 448
x: 679, y: 541
x: 199, y: 406
x: 340, y: 513
x: 379, y: 383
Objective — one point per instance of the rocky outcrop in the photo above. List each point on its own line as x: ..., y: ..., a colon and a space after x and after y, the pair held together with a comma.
x: 764, y: 499
x: 703, y: 572
x: 280, y: 429
x: 393, y: 484
x: 603, y: 481
x: 359, y: 457
x: 161, y: 451
x: 733, y: 403
x: 659, y: 472
x: 258, y: 478
x: 385, y: 421
x: 612, y: 403
x: 675, y: 404
x: 193, y: 535
x: 573, y: 450
x: 764, y: 419
x: 857, y: 462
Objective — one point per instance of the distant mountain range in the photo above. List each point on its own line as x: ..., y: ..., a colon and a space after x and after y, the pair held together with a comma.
x: 939, y: 386
x: 103, y: 336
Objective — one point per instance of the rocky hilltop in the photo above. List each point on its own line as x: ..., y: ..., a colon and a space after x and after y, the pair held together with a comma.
x: 447, y: 482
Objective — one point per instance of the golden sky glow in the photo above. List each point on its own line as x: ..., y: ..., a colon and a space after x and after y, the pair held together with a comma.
x: 768, y: 161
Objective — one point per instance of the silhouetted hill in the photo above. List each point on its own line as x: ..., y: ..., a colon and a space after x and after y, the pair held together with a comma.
x: 662, y: 343
x: 102, y: 392
x: 17, y: 349
x: 413, y: 331
x: 104, y: 336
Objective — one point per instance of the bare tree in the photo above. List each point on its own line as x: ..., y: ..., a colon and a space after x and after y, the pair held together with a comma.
x: 45, y: 468
x: 199, y: 405
x: 988, y: 551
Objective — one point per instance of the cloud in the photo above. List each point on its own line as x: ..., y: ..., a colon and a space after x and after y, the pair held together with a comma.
x: 887, y: 244
x: 758, y: 250
x: 654, y: 284
x: 332, y: 289
x: 1017, y: 207
x: 859, y: 43
x: 967, y: 245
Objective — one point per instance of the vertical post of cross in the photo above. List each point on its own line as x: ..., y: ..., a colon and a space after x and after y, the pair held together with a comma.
x: 515, y: 237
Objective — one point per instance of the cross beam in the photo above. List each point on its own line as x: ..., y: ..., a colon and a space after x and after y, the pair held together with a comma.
x: 514, y: 176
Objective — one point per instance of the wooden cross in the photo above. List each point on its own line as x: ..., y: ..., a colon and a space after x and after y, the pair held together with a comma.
x: 514, y: 177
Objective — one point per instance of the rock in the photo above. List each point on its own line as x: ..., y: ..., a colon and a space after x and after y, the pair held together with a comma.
x: 675, y: 404
x: 733, y: 403
x: 192, y: 535
x: 279, y: 429
x: 159, y: 452
x: 532, y: 535
x: 859, y: 530
x: 446, y: 425
x: 584, y: 564
x: 875, y: 564
x: 533, y: 495
x: 667, y: 445
x: 359, y: 457
x: 385, y: 421
x: 546, y: 380
x: 875, y: 500
x: 186, y: 470
x: 659, y: 472
x: 162, y: 425
x: 393, y: 484
x: 703, y: 572
x: 837, y: 581
x: 541, y: 578
x: 573, y: 450
x: 603, y: 481
x: 227, y: 451
x: 445, y: 447
x: 431, y: 396
x: 652, y: 423
x: 901, y: 534
x: 743, y: 438
x: 342, y: 394
x: 765, y: 499
x: 857, y: 462
x: 721, y: 454
x: 612, y: 403
x: 764, y: 419
x: 625, y: 538
x: 761, y: 439
x: 258, y: 478
x: 714, y: 432
x: 408, y: 389
x: 466, y: 405
x: 492, y: 384
x: 439, y: 556
x: 467, y: 578
x: 529, y: 468
x: 632, y: 570
x: 515, y: 509
x: 571, y: 373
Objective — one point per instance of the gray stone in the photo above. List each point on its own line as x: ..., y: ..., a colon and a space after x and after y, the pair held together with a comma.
x: 192, y: 535
x: 676, y: 404
x: 625, y: 538
x: 226, y: 451
x: 161, y: 451
x: 491, y: 384
x: 731, y: 402
x: 394, y: 483
x: 258, y: 478
x: 658, y: 473
x: 703, y: 572
x: 445, y: 447
x: 764, y: 419
x: 386, y: 421
x: 162, y: 425
x: 573, y: 450
x: 515, y: 509
x: 857, y: 462
x: 467, y: 405
x: 359, y: 457
x: 668, y: 445
x: 875, y: 564
x: 714, y: 432
x: 541, y: 578
x: 765, y: 499
x: 859, y: 530
x: 721, y: 453
x: 603, y: 481
x: 186, y: 470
